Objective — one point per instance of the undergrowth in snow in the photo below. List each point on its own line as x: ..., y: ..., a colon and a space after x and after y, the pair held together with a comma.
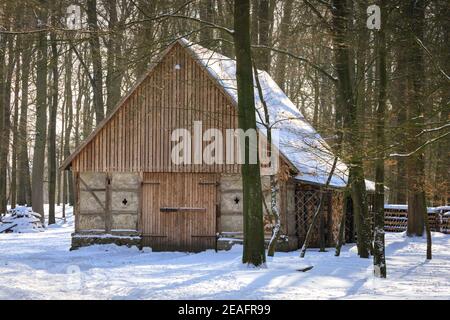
x: 40, y: 266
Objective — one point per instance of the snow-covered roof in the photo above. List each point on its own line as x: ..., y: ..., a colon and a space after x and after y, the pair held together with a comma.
x: 299, y: 142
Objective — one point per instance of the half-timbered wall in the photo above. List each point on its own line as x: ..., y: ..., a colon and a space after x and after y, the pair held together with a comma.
x: 307, y: 198
x: 107, y: 202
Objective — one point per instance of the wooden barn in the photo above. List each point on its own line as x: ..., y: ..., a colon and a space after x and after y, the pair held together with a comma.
x: 129, y: 191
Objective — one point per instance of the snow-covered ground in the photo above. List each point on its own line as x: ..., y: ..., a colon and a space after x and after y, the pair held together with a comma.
x: 40, y: 266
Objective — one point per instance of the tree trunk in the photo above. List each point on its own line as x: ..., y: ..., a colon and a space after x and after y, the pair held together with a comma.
x: 399, y: 102
x: 254, y: 252
x: 379, y: 260
x: 79, y: 106
x: 417, y: 209
x: 265, y: 17
x: 443, y: 160
x: 145, y: 37
x: 428, y: 232
x: 360, y: 210
x: 51, y: 152
x: 362, y: 41
x: 280, y: 69
x: 15, y: 127
x: 3, y: 120
x: 67, y: 176
x: 206, y: 14
x: 94, y: 43
x: 41, y: 117
x: 23, y: 163
x: 87, y: 113
x: 60, y: 150
x: 316, y: 84
x: 5, y: 125
x: 113, y: 76
x: 352, y: 140
x: 224, y: 11
x: 8, y: 90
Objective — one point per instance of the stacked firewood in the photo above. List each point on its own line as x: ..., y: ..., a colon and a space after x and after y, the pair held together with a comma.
x: 21, y: 220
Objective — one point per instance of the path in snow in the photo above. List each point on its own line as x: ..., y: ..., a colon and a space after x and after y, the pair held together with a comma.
x: 40, y: 266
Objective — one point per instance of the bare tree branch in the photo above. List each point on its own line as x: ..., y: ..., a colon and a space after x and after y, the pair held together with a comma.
x: 420, y: 147
x: 305, y: 60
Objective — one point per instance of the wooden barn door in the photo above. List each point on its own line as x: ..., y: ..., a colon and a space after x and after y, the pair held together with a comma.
x: 179, y: 211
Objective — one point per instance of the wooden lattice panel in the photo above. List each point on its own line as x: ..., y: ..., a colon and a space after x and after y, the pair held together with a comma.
x: 307, y: 200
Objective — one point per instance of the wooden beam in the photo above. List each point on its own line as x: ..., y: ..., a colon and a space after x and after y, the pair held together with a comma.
x: 91, y: 192
x: 108, y: 215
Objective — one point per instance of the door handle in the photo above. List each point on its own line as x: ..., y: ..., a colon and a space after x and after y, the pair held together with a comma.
x: 178, y: 209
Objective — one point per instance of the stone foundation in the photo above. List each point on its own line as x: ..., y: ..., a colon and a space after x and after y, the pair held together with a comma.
x: 83, y: 240
x: 225, y: 244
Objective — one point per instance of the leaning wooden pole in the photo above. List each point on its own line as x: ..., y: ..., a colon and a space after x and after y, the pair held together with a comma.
x: 341, y: 235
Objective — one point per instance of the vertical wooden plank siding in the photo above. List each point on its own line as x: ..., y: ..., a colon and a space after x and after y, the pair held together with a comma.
x: 179, y: 211
x: 137, y: 137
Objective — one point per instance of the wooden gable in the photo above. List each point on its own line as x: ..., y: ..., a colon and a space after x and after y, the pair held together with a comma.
x: 136, y: 136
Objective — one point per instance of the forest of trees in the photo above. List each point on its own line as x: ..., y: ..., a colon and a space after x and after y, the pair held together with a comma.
x: 380, y: 97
